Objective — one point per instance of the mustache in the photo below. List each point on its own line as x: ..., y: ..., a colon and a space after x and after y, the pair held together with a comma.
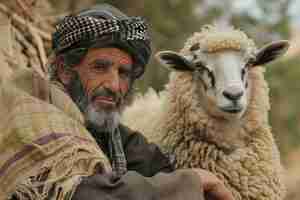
x: 104, y: 92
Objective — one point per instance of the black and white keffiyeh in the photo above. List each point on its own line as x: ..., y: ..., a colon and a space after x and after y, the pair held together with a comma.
x: 74, y: 29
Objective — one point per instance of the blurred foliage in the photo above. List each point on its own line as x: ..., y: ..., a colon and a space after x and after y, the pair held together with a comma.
x: 172, y: 21
x: 284, y: 94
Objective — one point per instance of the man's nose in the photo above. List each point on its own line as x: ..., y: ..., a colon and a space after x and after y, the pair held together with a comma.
x: 113, y: 82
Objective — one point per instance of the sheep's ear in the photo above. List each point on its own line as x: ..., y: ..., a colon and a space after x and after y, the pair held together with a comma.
x: 174, y: 61
x: 271, y: 52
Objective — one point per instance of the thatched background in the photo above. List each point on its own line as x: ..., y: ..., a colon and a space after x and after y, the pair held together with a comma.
x: 25, y: 35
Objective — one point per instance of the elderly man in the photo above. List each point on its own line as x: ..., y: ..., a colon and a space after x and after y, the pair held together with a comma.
x: 99, y: 53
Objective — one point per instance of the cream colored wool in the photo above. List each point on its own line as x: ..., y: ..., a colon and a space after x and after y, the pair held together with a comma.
x: 217, y: 38
x: 242, y: 153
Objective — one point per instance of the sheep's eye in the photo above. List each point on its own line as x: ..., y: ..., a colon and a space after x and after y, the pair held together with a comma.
x: 195, y: 47
x: 250, y: 62
x: 199, y: 65
x: 244, y: 70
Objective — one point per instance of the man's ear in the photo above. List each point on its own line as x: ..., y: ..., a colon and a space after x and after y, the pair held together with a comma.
x: 174, y: 61
x: 64, y: 75
x: 271, y: 52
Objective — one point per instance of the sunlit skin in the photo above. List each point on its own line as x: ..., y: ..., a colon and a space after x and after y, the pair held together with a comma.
x: 105, y: 68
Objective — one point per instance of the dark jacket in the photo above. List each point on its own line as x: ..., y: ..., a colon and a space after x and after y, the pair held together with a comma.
x: 150, y: 175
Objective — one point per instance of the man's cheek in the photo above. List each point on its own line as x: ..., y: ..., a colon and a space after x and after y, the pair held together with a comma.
x: 124, y: 87
x: 90, y: 85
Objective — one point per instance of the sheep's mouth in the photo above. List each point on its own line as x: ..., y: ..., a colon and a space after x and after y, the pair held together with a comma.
x: 232, y: 109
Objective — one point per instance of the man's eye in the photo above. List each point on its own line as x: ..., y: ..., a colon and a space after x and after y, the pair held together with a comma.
x: 100, y: 67
x: 124, y: 73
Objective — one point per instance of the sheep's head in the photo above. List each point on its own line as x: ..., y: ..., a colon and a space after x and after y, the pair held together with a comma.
x: 219, y: 60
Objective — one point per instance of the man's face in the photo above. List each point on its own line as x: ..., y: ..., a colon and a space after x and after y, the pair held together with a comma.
x: 104, y: 74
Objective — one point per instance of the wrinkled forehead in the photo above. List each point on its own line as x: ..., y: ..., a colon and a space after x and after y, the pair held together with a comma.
x: 109, y: 53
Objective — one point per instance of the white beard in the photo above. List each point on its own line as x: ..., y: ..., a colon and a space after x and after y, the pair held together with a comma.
x: 108, y: 121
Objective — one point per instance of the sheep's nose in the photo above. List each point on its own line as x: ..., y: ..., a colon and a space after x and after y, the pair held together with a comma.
x: 233, y: 95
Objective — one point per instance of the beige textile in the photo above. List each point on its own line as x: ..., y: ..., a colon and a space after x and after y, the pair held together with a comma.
x: 44, y: 147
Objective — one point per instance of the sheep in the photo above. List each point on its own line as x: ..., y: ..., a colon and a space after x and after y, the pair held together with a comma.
x: 213, y: 113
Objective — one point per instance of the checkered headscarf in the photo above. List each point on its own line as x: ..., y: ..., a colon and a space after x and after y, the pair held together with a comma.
x: 104, y: 26
x: 74, y: 29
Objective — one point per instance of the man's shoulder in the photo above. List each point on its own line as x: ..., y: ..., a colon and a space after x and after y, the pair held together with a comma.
x: 128, y: 133
x: 30, y: 82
